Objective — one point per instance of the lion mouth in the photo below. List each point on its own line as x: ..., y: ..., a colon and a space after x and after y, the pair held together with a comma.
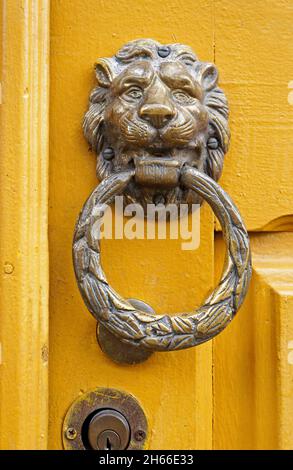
x: 160, y: 151
x: 158, y: 165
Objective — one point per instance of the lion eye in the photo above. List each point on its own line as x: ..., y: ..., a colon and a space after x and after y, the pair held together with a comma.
x: 133, y: 93
x: 182, y: 97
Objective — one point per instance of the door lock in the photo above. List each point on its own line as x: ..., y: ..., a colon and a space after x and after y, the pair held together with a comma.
x: 105, y: 419
x: 108, y: 430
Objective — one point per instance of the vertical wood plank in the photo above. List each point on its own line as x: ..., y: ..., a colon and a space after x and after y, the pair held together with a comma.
x: 23, y: 228
x: 174, y: 388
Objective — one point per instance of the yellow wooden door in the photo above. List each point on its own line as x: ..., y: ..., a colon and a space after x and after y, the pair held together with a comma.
x: 233, y: 392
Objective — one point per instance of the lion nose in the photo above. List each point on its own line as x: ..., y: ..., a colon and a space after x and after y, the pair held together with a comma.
x: 157, y: 114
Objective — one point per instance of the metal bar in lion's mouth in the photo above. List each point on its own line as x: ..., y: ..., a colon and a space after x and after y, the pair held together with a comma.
x: 156, y: 171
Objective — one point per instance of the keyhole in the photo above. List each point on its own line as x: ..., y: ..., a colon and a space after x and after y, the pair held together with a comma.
x: 109, y: 440
x: 109, y: 445
x: 108, y: 429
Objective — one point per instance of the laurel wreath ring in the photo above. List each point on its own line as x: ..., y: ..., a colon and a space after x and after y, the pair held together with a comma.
x: 163, y: 332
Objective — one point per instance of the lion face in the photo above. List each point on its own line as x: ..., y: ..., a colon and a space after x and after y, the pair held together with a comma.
x: 160, y: 104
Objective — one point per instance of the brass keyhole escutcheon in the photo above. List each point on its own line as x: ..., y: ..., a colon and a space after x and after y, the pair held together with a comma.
x: 105, y: 419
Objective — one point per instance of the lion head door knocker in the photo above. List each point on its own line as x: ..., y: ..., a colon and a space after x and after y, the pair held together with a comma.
x: 158, y: 123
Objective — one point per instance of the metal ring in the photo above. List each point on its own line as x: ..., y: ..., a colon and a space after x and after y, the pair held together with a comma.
x: 163, y: 332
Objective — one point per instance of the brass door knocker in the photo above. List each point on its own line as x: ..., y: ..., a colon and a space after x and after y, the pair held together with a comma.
x: 159, y: 124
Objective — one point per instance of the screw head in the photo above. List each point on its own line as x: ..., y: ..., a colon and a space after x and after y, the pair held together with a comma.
x: 164, y: 51
x: 213, y: 143
x: 108, y: 153
x: 71, y: 433
x: 8, y: 268
x: 139, y: 435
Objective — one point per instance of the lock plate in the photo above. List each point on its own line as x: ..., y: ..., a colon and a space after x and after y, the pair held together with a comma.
x: 105, y: 419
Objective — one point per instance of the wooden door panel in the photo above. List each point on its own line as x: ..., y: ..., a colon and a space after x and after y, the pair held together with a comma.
x: 253, y: 51
x: 253, y: 375
x: 172, y: 387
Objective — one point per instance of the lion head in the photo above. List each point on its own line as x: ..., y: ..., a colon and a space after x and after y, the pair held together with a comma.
x: 157, y: 102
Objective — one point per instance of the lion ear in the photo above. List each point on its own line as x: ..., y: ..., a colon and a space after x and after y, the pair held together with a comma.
x: 104, y: 73
x: 207, y: 75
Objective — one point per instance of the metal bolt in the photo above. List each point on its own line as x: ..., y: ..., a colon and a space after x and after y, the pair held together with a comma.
x: 164, y: 51
x: 108, y: 153
x: 71, y: 433
x: 213, y: 143
x: 139, y: 435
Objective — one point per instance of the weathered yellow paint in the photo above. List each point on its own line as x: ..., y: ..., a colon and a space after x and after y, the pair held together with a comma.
x: 23, y: 214
x: 236, y: 393
x: 253, y: 364
x: 253, y: 50
x: 172, y: 387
